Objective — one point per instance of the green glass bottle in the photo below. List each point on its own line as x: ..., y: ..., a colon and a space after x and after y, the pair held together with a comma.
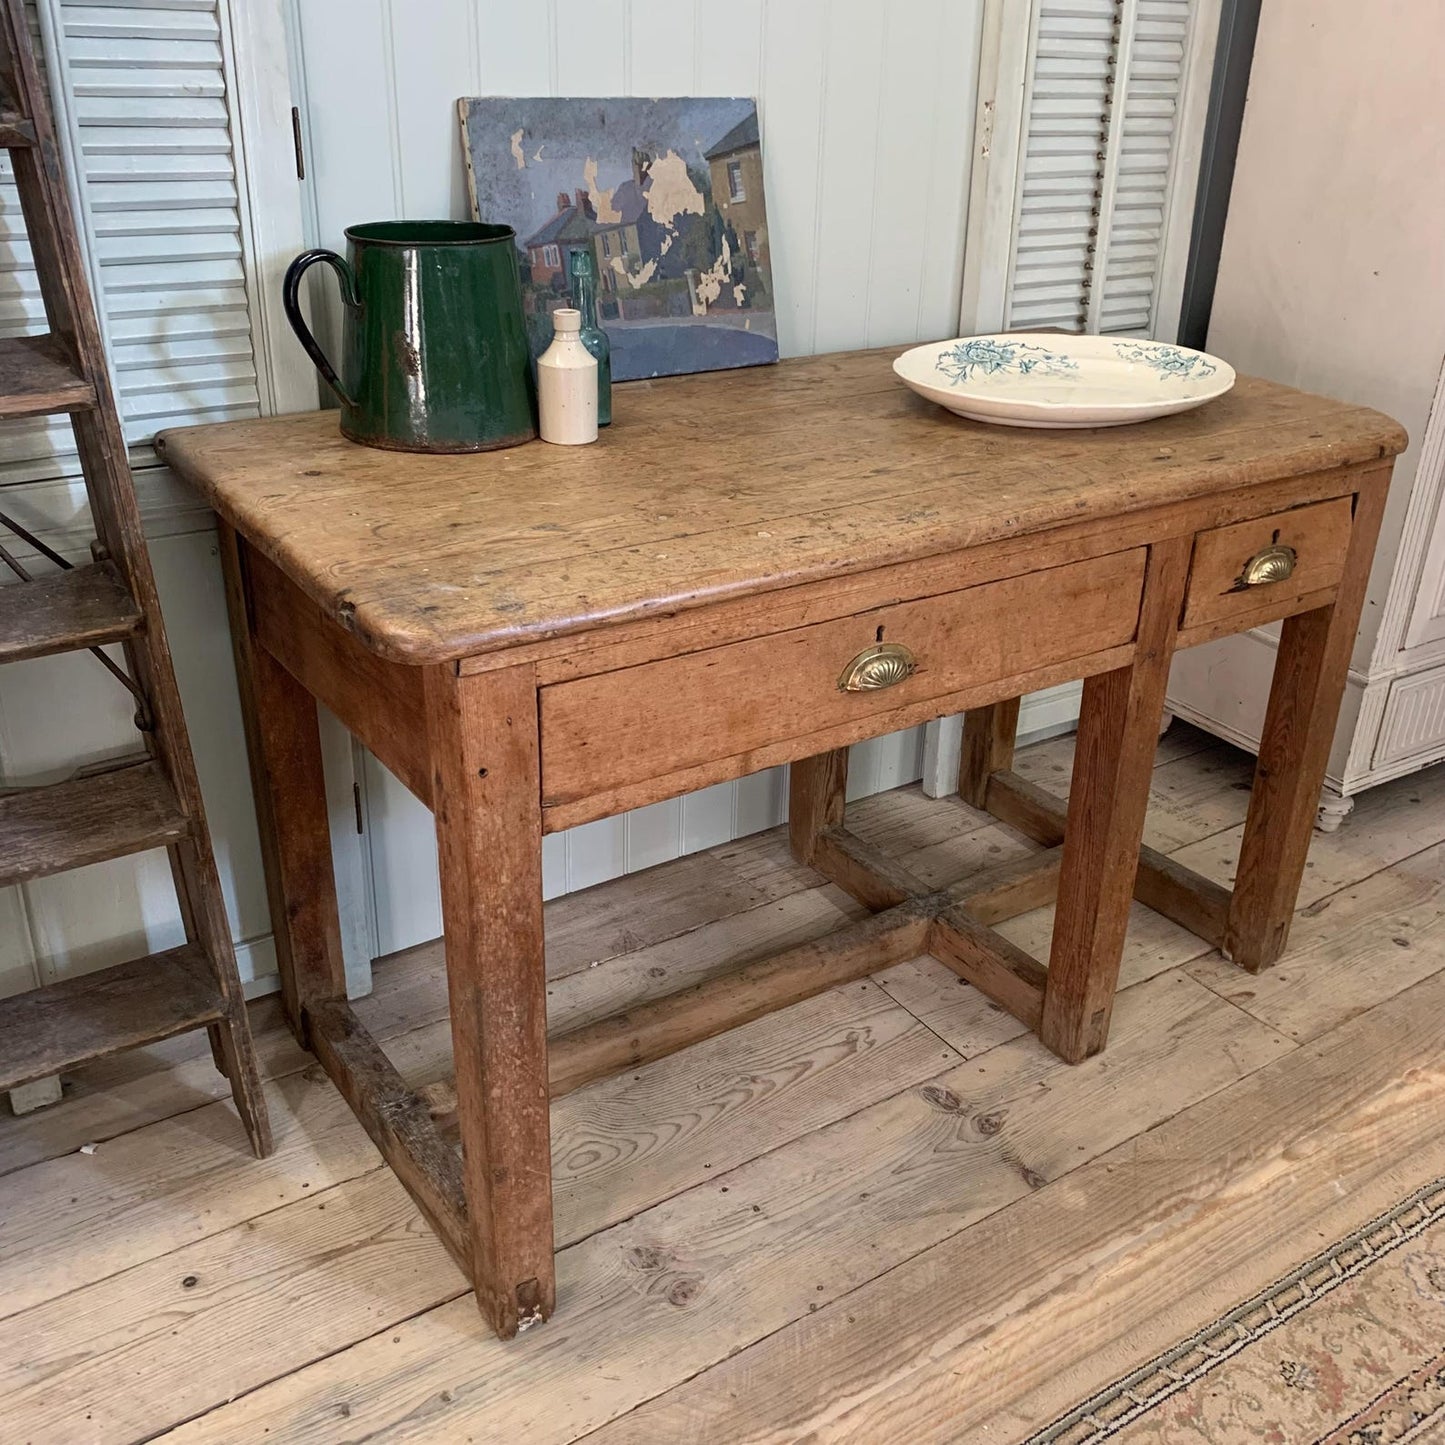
x: 594, y: 338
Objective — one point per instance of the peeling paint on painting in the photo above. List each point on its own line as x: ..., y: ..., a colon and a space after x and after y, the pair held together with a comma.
x: 603, y: 210
x: 672, y: 193
x: 668, y: 196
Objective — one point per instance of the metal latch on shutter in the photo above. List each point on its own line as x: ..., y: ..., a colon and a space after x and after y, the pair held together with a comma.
x: 296, y: 141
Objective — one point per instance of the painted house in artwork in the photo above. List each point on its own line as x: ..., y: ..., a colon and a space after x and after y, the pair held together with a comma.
x: 623, y: 239
x: 736, y: 164
x: 628, y: 237
x: 549, y: 248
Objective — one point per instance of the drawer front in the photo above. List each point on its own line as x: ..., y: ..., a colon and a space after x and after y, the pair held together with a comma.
x: 1237, y: 570
x: 603, y: 732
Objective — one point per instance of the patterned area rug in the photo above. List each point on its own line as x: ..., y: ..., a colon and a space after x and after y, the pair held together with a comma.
x: 1349, y: 1349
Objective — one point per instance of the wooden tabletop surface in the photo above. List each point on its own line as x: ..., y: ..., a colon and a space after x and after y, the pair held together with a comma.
x: 710, y: 486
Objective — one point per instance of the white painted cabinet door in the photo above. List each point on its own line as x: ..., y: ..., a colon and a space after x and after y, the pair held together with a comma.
x: 1427, y: 618
x: 1412, y: 725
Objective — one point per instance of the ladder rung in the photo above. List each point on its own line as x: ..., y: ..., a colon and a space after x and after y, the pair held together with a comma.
x: 66, y: 612
x: 87, y: 820
x: 16, y: 130
x: 51, y: 1029
x: 37, y: 378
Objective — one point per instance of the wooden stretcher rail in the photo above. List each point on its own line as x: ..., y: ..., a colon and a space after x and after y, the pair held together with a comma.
x: 959, y: 935
x: 1012, y: 888
x: 994, y: 966
x: 1168, y: 887
x: 858, y: 868
x: 917, y: 921
x: 398, y: 1121
x: 653, y: 1030
x: 991, y: 896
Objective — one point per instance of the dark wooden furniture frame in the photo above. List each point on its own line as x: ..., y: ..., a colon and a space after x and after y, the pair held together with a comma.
x: 495, y: 737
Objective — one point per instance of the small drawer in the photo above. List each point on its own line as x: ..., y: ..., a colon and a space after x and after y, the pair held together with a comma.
x: 1245, y: 569
x: 663, y: 718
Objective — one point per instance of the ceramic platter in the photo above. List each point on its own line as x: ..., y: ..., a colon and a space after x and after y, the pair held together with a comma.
x: 1040, y: 379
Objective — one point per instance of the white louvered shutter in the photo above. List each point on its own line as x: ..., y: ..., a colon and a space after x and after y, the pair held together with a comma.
x: 1099, y: 159
x: 159, y: 181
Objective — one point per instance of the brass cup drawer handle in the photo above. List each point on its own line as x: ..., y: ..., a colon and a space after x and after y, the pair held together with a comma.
x: 1272, y: 564
x: 885, y: 665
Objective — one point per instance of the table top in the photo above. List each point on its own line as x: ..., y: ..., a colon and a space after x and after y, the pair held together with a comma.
x: 711, y: 486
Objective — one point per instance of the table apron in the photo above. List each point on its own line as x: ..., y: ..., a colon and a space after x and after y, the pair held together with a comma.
x: 628, y: 736
x: 380, y: 702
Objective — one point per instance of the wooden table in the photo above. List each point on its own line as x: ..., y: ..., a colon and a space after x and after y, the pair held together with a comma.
x: 753, y: 568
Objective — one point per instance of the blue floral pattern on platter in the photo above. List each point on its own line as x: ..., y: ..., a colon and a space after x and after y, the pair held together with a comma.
x: 1170, y: 362
x: 989, y: 357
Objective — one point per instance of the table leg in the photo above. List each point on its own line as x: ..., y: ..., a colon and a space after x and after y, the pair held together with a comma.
x: 988, y: 747
x: 1304, y: 699
x: 283, y: 741
x: 817, y: 798
x: 487, y: 800
x: 1108, y: 798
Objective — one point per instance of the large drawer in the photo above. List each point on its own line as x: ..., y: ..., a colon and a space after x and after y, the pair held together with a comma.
x: 1270, y: 562
x: 603, y: 732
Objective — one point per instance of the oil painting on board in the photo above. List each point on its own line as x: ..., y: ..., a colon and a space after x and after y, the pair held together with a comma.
x: 668, y: 197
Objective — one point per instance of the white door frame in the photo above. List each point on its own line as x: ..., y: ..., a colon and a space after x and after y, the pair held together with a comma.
x: 272, y: 198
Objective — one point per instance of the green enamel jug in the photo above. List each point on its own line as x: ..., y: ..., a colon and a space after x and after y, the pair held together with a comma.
x: 434, y: 348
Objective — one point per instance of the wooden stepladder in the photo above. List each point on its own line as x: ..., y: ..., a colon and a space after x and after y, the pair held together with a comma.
x: 153, y: 799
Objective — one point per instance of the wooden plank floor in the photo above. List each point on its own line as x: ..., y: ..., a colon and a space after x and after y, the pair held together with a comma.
x: 884, y: 1214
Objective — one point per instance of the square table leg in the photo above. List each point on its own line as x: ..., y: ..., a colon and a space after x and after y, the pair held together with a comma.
x: 817, y: 800
x: 1310, y: 670
x: 283, y: 741
x: 1108, y: 798
x: 487, y: 800
x: 989, y: 734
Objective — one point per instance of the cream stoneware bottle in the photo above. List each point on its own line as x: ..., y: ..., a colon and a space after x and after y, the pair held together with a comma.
x: 567, y: 384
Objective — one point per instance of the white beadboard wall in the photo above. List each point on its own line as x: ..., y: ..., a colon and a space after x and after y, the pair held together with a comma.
x: 866, y: 108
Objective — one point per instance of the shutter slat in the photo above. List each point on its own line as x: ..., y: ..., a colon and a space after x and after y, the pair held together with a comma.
x: 98, y: 105
x: 138, y: 200
x: 131, y: 53
x: 115, y: 167
x: 141, y: 22
x: 206, y: 348
x: 181, y: 328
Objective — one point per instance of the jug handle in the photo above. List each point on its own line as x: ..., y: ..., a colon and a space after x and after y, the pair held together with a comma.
x: 291, y: 301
